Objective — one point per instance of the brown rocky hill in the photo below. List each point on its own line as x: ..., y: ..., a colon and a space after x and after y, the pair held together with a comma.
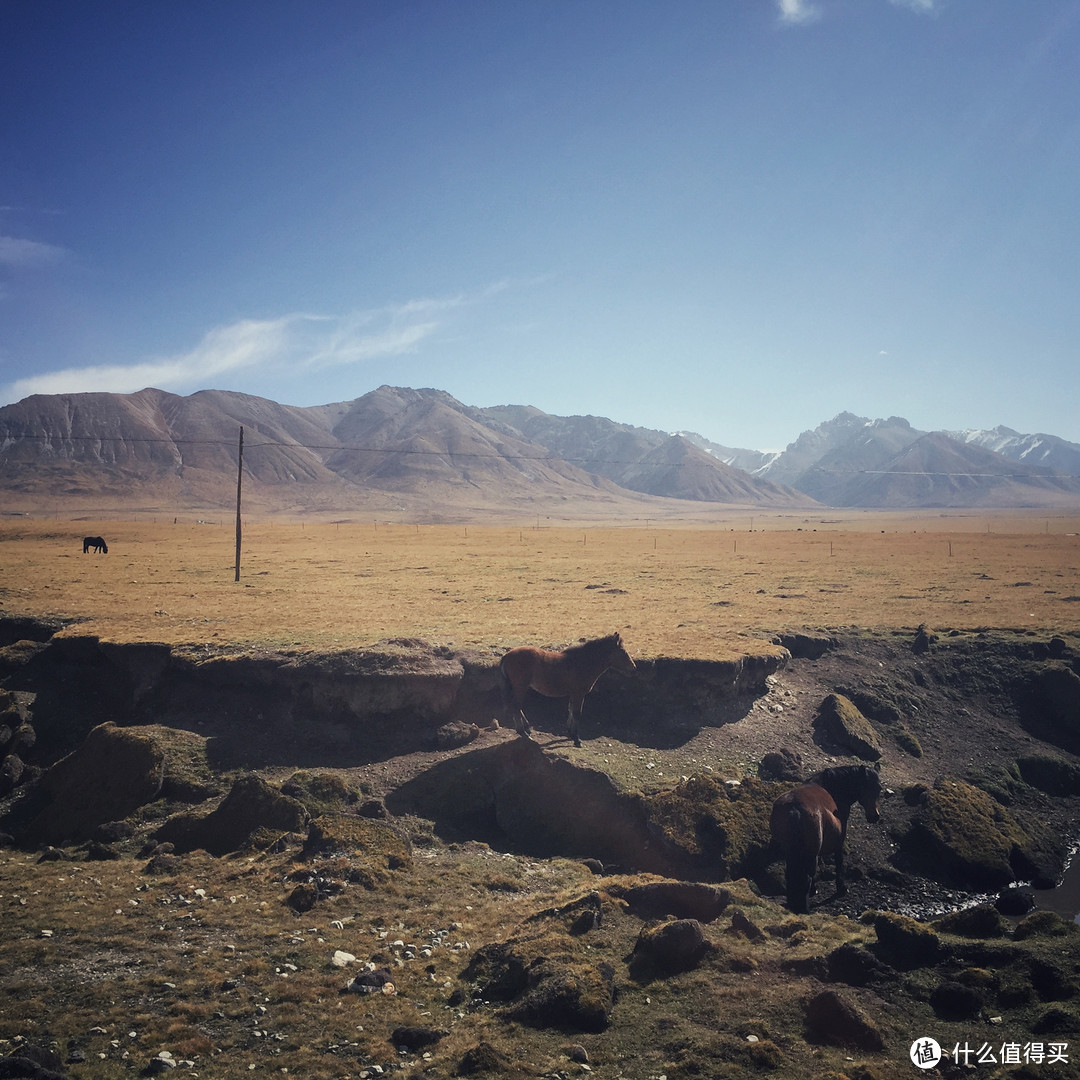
x: 392, y: 449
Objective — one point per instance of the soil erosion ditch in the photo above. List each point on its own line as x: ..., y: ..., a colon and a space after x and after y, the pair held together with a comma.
x: 976, y: 736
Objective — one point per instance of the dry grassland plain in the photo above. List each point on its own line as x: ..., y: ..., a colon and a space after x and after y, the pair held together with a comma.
x: 699, y: 590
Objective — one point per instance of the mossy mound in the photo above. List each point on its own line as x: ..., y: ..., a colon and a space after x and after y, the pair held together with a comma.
x: 1044, y: 924
x: 980, y: 921
x: 253, y: 815
x: 904, y: 943
x: 841, y: 727
x: 372, y: 849
x: 321, y: 793
x: 545, y: 982
x: 722, y: 827
x: 961, y: 836
x: 113, y: 773
x: 1050, y: 773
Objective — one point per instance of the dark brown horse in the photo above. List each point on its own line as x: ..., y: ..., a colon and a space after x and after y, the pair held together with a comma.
x: 811, y: 821
x: 569, y: 674
x: 95, y: 542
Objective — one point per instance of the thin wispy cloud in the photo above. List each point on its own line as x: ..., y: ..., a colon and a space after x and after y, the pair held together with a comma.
x: 803, y: 12
x: 920, y: 7
x: 292, y: 343
x: 18, y: 252
x: 798, y: 12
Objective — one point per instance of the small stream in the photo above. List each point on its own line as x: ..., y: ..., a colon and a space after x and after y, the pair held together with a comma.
x: 1065, y: 899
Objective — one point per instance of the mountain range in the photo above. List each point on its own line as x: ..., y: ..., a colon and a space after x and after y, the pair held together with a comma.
x: 398, y: 449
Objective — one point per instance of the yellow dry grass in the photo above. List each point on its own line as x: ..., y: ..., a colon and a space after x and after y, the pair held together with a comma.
x: 695, y: 591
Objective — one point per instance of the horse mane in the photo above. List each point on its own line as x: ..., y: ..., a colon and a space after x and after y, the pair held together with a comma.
x: 586, y: 648
x: 845, y: 782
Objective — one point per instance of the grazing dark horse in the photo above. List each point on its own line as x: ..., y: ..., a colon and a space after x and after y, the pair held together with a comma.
x: 96, y: 543
x: 811, y: 821
x: 569, y: 674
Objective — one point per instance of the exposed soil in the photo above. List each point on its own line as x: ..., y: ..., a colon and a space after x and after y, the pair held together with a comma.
x: 962, y: 700
x: 498, y: 831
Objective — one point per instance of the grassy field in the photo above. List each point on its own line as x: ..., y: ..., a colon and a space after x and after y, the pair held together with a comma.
x: 694, y: 591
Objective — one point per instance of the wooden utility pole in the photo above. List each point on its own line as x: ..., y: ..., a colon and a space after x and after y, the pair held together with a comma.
x: 239, y: 480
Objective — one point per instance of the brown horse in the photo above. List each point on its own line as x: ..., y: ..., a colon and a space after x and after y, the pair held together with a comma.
x: 811, y: 821
x: 569, y: 674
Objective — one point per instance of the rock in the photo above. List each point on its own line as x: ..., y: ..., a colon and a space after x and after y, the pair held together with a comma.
x: 32, y: 1062
x: 304, y: 897
x: 670, y: 947
x: 740, y: 924
x: 372, y: 808
x: 451, y: 736
x: 379, y: 981
x: 1015, y: 900
x: 416, y: 1037
x: 954, y: 1001
x: 11, y: 773
x: 683, y: 899
x: 925, y: 638
x: 840, y: 726
x: 342, y: 958
x: 23, y: 740
x: 783, y: 764
x: 834, y: 1020
x: 163, y: 1062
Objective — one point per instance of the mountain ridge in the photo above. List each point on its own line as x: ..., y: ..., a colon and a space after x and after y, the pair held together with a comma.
x: 401, y: 448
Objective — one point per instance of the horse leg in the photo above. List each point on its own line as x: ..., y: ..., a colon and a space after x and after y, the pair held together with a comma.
x: 799, y: 882
x: 512, y: 703
x: 521, y: 722
x: 573, y: 715
x: 800, y: 864
x: 841, y: 888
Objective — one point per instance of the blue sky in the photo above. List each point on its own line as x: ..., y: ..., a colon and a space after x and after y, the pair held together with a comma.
x: 738, y: 217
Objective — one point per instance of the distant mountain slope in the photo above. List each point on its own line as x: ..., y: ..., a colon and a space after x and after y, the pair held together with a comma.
x: 422, y: 449
x: 853, y: 461
x: 678, y: 467
x: 642, y: 459
x: 1046, y: 450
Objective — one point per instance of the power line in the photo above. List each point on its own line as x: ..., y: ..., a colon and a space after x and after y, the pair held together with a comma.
x: 473, y: 454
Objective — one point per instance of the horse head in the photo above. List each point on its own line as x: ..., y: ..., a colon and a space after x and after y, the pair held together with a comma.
x: 869, y: 792
x: 620, y: 658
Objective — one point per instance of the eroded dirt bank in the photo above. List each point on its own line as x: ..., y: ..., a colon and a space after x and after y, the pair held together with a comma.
x: 360, y: 785
x: 680, y: 760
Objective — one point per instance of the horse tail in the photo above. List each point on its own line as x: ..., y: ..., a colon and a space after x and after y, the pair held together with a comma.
x: 800, y: 863
x: 506, y: 688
